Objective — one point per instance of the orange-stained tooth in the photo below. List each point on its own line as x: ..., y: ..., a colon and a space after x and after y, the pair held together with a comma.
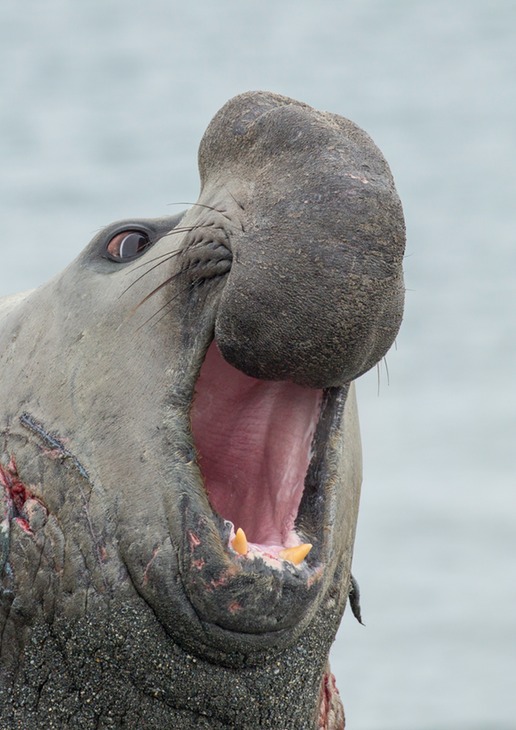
x: 239, y: 542
x: 296, y: 554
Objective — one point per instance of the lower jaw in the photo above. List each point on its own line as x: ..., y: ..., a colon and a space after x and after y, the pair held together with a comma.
x: 258, y: 593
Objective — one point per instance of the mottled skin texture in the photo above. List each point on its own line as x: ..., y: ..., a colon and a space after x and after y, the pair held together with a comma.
x: 120, y: 604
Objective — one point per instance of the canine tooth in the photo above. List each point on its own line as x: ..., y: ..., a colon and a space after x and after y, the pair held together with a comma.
x: 239, y: 542
x: 296, y: 554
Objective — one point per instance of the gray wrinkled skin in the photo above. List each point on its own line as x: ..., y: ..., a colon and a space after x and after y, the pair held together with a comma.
x: 117, y: 587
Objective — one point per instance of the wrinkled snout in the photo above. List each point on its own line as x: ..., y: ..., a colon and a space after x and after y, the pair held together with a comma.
x: 318, y: 313
x: 315, y: 291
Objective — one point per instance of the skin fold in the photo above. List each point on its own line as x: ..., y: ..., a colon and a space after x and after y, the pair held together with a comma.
x: 153, y: 379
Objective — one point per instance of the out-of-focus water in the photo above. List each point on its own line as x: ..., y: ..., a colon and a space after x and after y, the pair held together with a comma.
x: 102, y: 105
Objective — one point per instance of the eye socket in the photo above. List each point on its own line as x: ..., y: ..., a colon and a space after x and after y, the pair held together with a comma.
x: 128, y: 245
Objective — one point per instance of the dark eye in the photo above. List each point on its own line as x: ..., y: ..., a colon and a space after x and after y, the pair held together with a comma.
x: 128, y: 245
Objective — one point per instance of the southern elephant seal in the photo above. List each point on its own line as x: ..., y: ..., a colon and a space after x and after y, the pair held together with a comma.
x: 181, y: 463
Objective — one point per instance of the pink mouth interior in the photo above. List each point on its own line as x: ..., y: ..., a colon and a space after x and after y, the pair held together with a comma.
x: 253, y: 440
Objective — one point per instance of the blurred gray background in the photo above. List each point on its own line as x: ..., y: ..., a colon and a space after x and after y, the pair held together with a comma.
x: 102, y: 106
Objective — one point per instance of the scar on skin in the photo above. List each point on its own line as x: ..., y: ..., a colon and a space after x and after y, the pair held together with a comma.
x: 193, y: 539
x: 146, y: 571
x: 20, y: 499
x: 55, y: 448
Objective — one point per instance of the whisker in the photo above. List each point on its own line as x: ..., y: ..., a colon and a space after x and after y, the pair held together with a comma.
x: 170, y: 253
x: 239, y: 205
x: 235, y: 200
x: 164, y: 257
x: 210, y: 207
x: 155, y: 291
x: 181, y: 291
x: 387, y: 370
x: 200, y: 205
x: 167, y: 254
x: 160, y: 260
x: 170, y: 256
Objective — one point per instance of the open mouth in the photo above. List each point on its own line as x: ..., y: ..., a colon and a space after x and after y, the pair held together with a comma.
x: 258, y: 498
x: 254, y: 445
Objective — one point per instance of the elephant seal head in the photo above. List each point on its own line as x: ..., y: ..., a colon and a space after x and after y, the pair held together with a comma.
x: 189, y: 376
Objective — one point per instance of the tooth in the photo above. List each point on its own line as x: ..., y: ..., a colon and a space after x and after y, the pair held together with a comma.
x: 296, y: 554
x: 239, y: 542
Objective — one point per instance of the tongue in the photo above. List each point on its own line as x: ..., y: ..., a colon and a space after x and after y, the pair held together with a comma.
x: 253, y: 441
